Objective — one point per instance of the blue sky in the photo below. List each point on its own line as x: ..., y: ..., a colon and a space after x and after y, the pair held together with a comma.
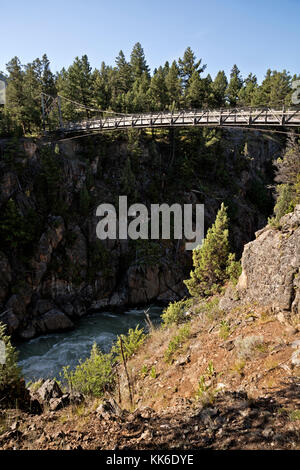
x: 254, y: 34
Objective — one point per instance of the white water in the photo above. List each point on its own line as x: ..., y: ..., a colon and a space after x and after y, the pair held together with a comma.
x: 44, y: 357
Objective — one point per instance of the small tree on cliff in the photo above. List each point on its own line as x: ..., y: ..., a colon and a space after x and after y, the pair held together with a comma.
x: 212, y: 259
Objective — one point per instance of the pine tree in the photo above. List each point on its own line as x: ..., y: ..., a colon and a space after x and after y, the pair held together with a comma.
x: 32, y: 88
x: 77, y: 85
x: 246, y: 93
x: 211, y: 260
x: 138, y: 62
x: 102, y: 87
x: 15, y: 92
x: 188, y: 65
x: 234, y: 86
x: 280, y: 89
x: 158, y: 91
x: 261, y: 96
x: 196, y: 91
x: 137, y: 99
x: 47, y: 77
x: 173, y: 85
x: 124, y: 73
x: 219, y: 87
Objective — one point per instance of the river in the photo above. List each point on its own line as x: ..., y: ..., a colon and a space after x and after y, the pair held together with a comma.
x: 44, y: 357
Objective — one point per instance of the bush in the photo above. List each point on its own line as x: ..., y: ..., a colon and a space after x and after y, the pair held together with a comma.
x: 234, y: 269
x: 176, y: 312
x: 131, y: 343
x: 91, y: 377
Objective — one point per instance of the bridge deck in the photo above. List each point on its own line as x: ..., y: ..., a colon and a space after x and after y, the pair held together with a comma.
x: 209, y: 118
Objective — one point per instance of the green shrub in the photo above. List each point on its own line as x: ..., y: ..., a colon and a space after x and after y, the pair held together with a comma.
x: 91, y: 377
x: 176, y: 312
x: 234, y: 269
x: 131, y: 343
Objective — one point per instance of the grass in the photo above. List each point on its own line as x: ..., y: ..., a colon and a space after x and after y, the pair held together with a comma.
x: 176, y: 343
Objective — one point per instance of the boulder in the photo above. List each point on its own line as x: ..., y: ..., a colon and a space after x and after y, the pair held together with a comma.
x: 55, y: 320
x: 49, y: 390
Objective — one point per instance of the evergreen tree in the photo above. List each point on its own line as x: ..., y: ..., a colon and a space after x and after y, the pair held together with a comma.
x: 158, y: 91
x: 195, y: 93
x: 77, y: 85
x: 173, y: 85
x: 219, y: 87
x: 166, y: 68
x: 15, y: 92
x: 211, y: 260
x: 280, y: 89
x: 261, y: 96
x: 246, y: 93
x: 47, y: 77
x: 32, y: 88
x: 137, y: 100
x: 188, y: 65
x: 138, y: 62
x: 101, y: 88
x: 234, y: 86
x: 124, y: 76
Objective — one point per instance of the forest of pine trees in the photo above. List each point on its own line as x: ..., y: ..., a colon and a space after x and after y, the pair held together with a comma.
x: 129, y: 87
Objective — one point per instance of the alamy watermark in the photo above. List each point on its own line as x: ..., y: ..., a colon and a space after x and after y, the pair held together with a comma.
x: 2, y: 353
x: 161, y: 221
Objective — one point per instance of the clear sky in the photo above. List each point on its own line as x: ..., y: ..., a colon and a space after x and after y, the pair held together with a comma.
x: 254, y: 34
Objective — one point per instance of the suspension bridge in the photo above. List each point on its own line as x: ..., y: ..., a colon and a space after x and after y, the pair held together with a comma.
x: 225, y: 117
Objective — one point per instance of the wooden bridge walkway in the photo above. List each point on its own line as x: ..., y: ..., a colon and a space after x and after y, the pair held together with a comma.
x: 237, y: 117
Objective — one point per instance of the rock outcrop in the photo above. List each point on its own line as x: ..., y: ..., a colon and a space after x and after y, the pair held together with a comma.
x: 271, y: 269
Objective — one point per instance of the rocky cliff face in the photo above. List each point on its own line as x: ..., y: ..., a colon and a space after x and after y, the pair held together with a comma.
x: 271, y: 269
x: 53, y: 269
